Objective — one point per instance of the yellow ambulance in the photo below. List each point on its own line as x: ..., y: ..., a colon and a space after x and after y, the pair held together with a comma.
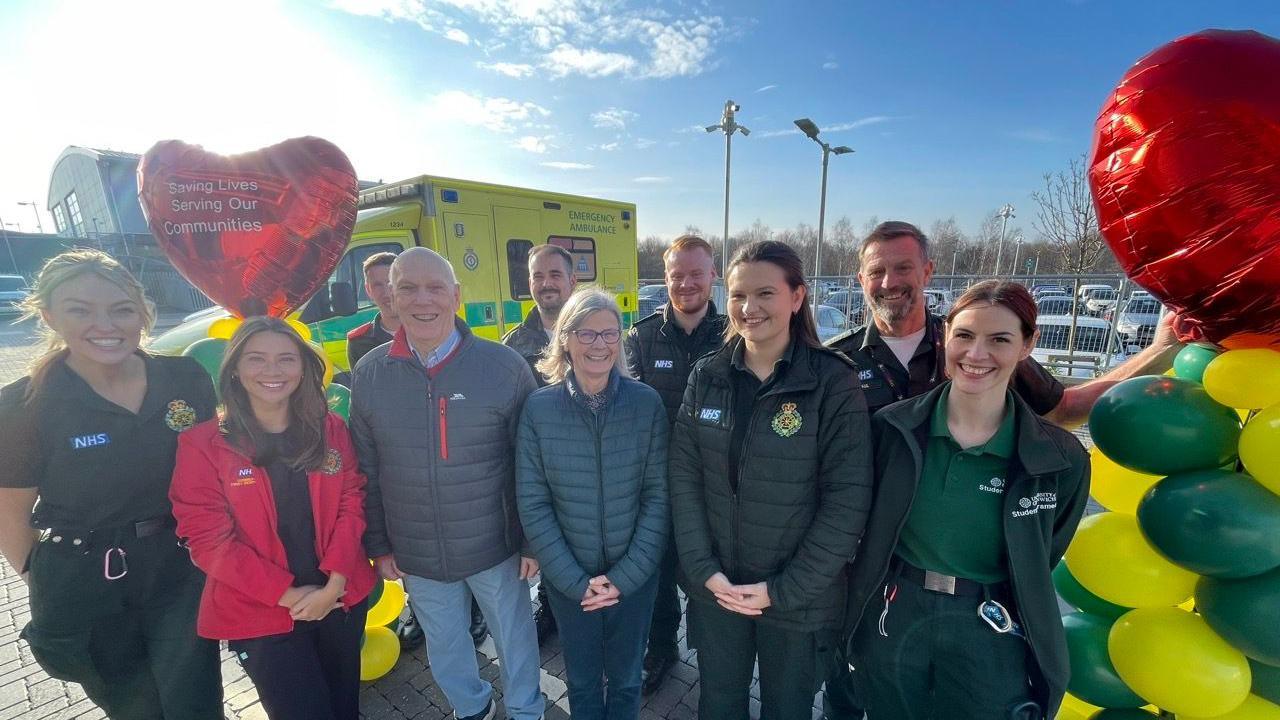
x: 486, y: 231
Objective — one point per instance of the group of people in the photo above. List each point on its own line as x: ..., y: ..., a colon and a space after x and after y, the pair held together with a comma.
x: 880, y: 514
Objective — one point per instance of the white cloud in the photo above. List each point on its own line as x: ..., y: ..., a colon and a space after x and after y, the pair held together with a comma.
x: 595, y: 38
x: 613, y: 118
x: 830, y: 65
x: 569, y: 60
x: 558, y: 165
x: 608, y: 147
x: 457, y: 36
x: 534, y: 144
x: 495, y: 113
x: 652, y: 179
x: 838, y: 127
x: 644, y: 143
x: 766, y: 88
x: 1036, y: 135
x: 514, y: 70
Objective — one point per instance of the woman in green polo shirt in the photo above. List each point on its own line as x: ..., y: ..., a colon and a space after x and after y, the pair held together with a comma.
x: 952, y: 613
x: 91, y: 434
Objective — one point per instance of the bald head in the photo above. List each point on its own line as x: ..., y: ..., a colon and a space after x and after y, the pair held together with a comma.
x: 422, y: 259
x: 426, y: 297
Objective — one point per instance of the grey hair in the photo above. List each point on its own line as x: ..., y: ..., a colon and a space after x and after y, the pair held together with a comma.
x: 555, y: 364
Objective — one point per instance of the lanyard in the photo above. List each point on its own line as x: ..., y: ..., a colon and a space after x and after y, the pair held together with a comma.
x: 939, y: 358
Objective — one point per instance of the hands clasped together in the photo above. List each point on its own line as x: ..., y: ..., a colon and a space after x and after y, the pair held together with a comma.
x: 743, y: 599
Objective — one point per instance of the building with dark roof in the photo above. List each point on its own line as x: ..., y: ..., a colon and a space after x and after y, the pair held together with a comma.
x: 95, y: 192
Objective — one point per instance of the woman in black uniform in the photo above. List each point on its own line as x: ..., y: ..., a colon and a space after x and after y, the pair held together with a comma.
x: 91, y: 435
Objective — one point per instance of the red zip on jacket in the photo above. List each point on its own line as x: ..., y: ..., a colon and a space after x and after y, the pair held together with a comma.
x: 227, y: 513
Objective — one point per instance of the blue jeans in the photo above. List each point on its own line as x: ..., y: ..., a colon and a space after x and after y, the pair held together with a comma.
x: 604, y: 646
x: 444, y: 609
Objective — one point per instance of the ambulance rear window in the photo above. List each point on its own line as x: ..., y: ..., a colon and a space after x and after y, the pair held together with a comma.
x: 583, y: 250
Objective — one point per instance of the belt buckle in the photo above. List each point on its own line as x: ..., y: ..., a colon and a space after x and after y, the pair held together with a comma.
x: 939, y: 583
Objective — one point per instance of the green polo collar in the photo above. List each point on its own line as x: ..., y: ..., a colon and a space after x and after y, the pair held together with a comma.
x: 1001, y: 444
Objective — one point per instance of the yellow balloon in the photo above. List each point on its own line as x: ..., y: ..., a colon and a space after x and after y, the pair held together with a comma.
x: 300, y: 327
x: 224, y: 327
x: 1115, y: 487
x: 328, y: 363
x: 1260, y: 447
x: 1175, y: 661
x: 1073, y: 708
x: 1253, y: 708
x: 379, y: 653
x: 1112, y: 560
x: 388, y: 606
x: 1244, y: 378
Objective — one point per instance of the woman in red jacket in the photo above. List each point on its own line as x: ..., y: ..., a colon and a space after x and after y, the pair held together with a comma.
x: 270, y: 501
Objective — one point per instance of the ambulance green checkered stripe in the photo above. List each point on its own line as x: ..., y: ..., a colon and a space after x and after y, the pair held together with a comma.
x: 475, y: 314
x: 512, y: 312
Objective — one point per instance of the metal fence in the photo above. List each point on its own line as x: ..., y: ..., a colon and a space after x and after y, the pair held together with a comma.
x: 1087, y: 323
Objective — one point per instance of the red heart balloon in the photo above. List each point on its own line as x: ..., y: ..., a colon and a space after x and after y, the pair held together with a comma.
x: 258, y: 232
x: 1185, y: 173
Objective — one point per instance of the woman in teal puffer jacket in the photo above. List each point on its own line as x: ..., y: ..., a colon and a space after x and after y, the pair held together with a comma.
x: 591, y: 463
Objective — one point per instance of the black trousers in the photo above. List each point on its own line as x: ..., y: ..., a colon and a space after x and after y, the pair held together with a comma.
x: 310, y: 673
x: 131, y: 642
x: 666, y: 607
x: 840, y: 697
x: 939, y: 661
x: 792, y: 664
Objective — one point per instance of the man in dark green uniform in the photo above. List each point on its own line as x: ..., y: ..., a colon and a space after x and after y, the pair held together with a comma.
x: 551, y: 282
x: 899, y: 354
x: 661, y: 350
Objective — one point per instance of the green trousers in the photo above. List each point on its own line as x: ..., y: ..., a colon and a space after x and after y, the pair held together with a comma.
x: 940, y: 661
x: 130, y: 643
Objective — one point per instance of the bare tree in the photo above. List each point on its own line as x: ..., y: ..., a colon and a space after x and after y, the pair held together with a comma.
x: 1067, y: 218
x: 946, y: 243
x: 649, y: 256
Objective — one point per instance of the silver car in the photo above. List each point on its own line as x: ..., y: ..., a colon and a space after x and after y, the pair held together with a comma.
x: 13, y: 290
x: 1136, y: 325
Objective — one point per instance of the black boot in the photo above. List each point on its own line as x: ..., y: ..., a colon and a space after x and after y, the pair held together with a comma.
x: 654, y: 671
x: 410, y: 633
x: 543, y: 620
x: 478, y: 627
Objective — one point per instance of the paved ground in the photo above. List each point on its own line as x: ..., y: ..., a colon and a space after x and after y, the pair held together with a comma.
x: 406, y: 693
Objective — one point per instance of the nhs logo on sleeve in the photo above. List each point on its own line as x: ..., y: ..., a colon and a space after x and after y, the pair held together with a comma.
x: 80, y: 442
x: 710, y: 415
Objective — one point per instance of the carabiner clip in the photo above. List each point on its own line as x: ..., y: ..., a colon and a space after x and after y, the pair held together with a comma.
x: 995, y: 615
x: 106, y: 564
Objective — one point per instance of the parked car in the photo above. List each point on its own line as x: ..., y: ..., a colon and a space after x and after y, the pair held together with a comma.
x: 1057, y: 305
x: 850, y: 302
x: 940, y: 300
x: 831, y: 322
x: 1098, y: 299
x: 13, y: 290
x: 1094, y: 349
x: 650, y: 298
x: 1038, y: 290
x: 1136, y: 325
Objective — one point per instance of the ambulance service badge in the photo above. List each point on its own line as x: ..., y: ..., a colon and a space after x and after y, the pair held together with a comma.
x: 180, y: 416
x: 332, y: 464
x: 787, y: 422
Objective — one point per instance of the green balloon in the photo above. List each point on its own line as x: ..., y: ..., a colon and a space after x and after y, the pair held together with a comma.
x: 1213, y: 522
x: 1266, y: 681
x: 339, y: 398
x: 208, y: 352
x: 1191, y: 361
x: 1093, y: 677
x: 376, y: 594
x: 1164, y: 425
x: 1079, y: 597
x: 1244, y: 612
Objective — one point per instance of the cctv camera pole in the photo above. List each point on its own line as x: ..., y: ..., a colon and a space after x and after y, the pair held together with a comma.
x: 811, y: 130
x: 1005, y: 213
x: 729, y: 125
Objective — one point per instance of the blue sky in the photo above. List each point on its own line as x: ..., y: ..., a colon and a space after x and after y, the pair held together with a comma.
x: 954, y: 108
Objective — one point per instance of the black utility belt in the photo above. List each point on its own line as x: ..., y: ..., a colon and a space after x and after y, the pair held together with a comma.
x: 84, y: 539
x: 951, y: 585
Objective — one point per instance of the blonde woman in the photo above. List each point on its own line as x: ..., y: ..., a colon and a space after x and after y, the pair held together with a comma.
x: 91, y: 434
x: 591, y: 460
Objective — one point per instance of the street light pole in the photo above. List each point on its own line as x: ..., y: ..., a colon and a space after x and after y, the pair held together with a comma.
x: 811, y: 130
x: 729, y: 125
x: 36, y: 210
x: 1005, y: 213
x: 1017, y: 248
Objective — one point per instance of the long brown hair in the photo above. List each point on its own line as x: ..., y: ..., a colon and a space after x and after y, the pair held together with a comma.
x: 58, y: 271
x: 307, y: 405
x: 803, y: 327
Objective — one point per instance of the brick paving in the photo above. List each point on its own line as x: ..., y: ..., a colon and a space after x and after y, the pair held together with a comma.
x: 406, y: 693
